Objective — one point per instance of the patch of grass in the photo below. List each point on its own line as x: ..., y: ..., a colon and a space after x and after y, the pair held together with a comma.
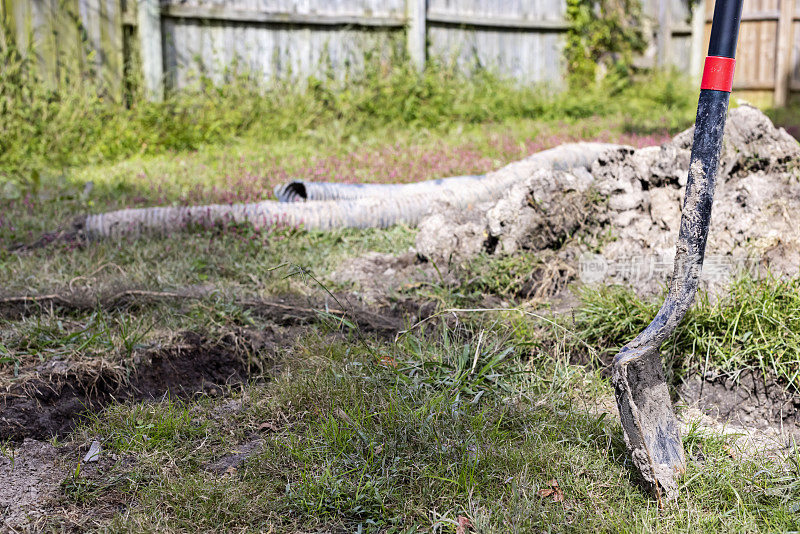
x: 72, y: 125
x: 393, y: 444
x: 754, y: 326
x: 144, y: 427
x: 504, y: 275
x: 234, y: 260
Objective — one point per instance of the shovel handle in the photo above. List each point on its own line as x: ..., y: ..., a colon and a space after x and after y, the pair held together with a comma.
x: 712, y: 108
x: 651, y: 431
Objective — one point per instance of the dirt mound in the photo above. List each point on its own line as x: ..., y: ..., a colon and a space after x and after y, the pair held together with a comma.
x: 50, y: 404
x: 618, y: 221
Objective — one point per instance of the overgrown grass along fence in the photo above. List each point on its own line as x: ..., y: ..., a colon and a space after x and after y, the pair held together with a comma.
x: 45, y: 127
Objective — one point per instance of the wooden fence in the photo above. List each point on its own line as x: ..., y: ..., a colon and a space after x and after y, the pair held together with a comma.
x: 71, y: 39
x: 177, y: 39
x: 768, y: 56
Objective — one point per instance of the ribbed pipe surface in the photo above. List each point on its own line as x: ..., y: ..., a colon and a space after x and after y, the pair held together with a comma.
x: 301, y: 190
x: 393, y: 204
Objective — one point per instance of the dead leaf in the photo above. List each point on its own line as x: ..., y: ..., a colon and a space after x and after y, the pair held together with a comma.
x: 94, y: 452
x: 462, y: 524
x: 389, y: 361
x: 343, y: 415
x: 553, y: 492
x: 269, y: 425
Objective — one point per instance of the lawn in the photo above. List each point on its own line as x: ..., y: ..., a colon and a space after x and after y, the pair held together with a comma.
x: 233, y: 385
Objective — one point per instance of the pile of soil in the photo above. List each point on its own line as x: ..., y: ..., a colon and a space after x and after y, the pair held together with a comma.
x: 618, y: 221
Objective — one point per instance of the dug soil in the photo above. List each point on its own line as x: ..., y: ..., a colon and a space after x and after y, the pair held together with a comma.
x: 617, y: 221
x: 51, y: 403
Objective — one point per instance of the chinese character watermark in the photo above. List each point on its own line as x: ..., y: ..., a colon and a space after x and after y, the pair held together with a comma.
x: 595, y: 268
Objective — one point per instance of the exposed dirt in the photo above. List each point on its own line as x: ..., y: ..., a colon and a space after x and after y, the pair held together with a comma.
x: 50, y: 404
x: 37, y: 476
x: 622, y: 216
x: 380, y: 277
x: 230, y: 463
x: 31, y: 479
x: 751, y: 401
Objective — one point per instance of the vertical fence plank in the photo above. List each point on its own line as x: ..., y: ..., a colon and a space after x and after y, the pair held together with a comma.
x: 664, y: 38
x: 149, y: 23
x: 416, y: 33
x: 698, y: 52
x: 783, y: 65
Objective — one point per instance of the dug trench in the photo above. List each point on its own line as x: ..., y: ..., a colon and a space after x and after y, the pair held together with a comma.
x: 53, y: 402
x: 55, y: 395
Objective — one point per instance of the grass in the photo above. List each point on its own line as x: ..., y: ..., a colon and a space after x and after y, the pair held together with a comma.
x: 754, y: 326
x: 68, y: 126
x: 476, y: 415
x: 358, y: 444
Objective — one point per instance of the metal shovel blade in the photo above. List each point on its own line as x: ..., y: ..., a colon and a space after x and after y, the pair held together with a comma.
x: 649, y: 425
x: 651, y: 430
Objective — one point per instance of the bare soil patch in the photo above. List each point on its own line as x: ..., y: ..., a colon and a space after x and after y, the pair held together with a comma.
x: 31, y: 482
x: 51, y: 403
x: 750, y: 401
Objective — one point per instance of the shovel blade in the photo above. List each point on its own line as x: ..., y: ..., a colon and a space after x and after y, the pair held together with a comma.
x: 651, y: 430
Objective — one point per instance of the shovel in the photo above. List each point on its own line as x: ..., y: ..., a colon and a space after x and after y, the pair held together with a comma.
x: 651, y: 430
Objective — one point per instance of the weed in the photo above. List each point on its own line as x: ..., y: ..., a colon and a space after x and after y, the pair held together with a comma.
x: 754, y: 326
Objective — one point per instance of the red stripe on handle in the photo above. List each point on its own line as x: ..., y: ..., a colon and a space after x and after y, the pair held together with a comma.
x: 718, y: 73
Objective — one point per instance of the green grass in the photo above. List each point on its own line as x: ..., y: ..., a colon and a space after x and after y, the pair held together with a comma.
x: 754, y: 325
x: 55, y: 128
x: 405, y: 446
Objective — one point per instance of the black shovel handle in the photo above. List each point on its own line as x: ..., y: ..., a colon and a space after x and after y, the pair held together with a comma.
x: 712, y: 108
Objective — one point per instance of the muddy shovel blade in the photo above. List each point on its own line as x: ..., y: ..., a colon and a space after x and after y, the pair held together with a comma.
x: 649, y: 425
x: 648, y: 422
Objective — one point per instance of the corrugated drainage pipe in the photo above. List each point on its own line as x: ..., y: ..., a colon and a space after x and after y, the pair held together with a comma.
x: 406, y: 204
x: 560, y: 158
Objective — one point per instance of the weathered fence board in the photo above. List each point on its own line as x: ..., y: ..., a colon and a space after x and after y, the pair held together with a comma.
x: 179, y: 40
x: 72, y: 40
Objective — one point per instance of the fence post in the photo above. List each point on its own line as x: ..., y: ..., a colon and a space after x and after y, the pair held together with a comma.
x: 664, y: 38
x: 696, y: 48
x: 783, y: 58
x: 416, y: 31
x: 149, y: 27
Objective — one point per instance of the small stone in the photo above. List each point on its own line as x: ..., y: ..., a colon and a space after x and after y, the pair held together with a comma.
x: 94, y: 452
